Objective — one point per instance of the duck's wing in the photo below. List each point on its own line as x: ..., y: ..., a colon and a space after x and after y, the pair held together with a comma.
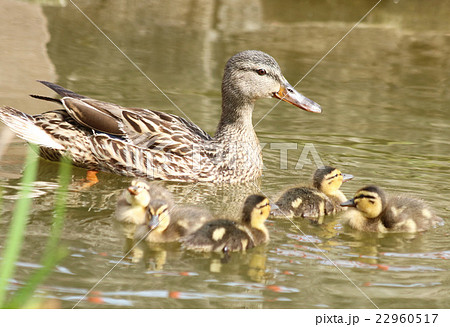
x: 138, y: 126
x: 123, y: 158
x: 304, y: 202
x: 218, y: 235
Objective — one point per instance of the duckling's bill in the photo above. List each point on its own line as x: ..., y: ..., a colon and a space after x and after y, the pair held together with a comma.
x: 133, y: 190
x: 154, y: 222
x: 346, y: 177
x: 288, y: 94
x: 349, y: 203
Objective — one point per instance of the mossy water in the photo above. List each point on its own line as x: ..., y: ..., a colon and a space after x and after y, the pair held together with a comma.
x: 385, y: 121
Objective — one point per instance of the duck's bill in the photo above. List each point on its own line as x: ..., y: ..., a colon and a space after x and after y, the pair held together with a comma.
x: 349, y: 203
x: 346, y: 177
x: 133, y: 190
x: 290, y: 95
x: 154, y: 221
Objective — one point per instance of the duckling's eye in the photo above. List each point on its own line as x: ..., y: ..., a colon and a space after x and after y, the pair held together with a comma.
x: 263, y: 205
x: 372, y: 201
x: 261, y: 71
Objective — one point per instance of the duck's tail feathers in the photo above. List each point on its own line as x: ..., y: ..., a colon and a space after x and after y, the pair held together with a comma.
x: 41, y: 97
x: 24, y: 126
x: 62, y: 91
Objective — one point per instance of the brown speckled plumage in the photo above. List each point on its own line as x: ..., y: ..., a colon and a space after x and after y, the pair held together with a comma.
x: 145, y: 143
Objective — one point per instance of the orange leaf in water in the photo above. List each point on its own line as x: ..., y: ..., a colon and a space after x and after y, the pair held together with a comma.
x: 174, y: 295
x: 95, y: 299
x: 383, y: 267
x: 274, y: 288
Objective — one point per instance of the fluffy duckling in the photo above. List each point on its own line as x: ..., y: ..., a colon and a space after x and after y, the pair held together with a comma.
x: 322, y: 198
x: 132, y: 204
x: 376, y: 212
x: 227, y: 235
x: 168, y: 223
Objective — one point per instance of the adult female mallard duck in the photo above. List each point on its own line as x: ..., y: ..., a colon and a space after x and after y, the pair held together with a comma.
x: 323, y: 197
x: 223, y: 235
x: 140, y: 142
x: 374, y: 211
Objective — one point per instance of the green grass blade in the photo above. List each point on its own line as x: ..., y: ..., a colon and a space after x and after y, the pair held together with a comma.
x: 52, y: 254
x: 1, y: 202
x: 18, y: 223
x: 1, y: 199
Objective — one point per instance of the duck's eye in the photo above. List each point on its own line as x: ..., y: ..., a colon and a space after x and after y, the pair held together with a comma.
x: 261, y: 71
x: 262, y: 205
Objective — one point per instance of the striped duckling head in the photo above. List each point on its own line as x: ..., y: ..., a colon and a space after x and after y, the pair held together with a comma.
x: 255, y: 211
x: 328, y: 179
x: 138, y: 193
x: 369, y: 200
x: 159, y: 215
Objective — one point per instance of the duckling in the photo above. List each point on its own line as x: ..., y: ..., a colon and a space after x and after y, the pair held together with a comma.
x: 132, y: 208
x: 168, y: 223
x: 227, y: 235
x: 322, y: 198
x: 132, y: 204
x: 376, y: 212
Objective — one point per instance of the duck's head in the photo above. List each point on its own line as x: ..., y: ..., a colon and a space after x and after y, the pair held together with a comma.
x: 369, y: 200
x: 159, y: 217
x: 255, y: 211
x: 251, y: 75
x: 138, y: 193
x: 328, y: 179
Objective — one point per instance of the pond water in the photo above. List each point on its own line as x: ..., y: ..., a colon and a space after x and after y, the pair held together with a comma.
x: 384, y: 94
